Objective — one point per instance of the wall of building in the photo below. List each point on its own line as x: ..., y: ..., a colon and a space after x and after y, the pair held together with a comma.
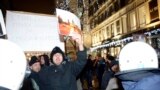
x: 136, y: 17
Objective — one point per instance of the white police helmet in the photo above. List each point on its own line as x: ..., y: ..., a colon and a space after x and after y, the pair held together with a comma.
x: 137, y: 55
x: 12, y: 65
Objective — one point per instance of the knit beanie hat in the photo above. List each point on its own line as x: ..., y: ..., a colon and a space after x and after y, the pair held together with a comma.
x: 33, y: 60
x: 111, y: 58
x: 114, y: 62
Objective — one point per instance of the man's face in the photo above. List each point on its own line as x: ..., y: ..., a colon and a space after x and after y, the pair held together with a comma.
x: 36, y: 67
x: 57, y: 58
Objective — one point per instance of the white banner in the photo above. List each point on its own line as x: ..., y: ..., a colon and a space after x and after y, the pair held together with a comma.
x: 33, y: 32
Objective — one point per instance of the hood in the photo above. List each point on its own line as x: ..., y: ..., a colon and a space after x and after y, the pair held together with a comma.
x: 56, y: 50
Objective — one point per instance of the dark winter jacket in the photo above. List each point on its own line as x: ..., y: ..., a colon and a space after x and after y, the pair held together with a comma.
x: 63, y: 77
x: 141, y: 80
x: 105, y: 79
x: 31, y: 82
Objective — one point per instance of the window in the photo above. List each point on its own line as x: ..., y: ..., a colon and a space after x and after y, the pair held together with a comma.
x: 98, y: 21
x: 89, y: 1
x: 95, y: 22
x: 142, y: 16
x: 124, y: 23
x: 96, y: 7
x: 97, y: 37
x: 112, y: 9
x: 112, y: 30
x: 103, y: 34
x: 100, y: 35
x: 93, y: 38
x: 109, y: 11
x: 116, y: 5
x: 100, y: 2
x: 103, y: 16
x: 153, y: 10
x: 108, y: 32
x: 90, y: 11
x: 133, y: 21
x: 118, y: 28
x: 92, y: 25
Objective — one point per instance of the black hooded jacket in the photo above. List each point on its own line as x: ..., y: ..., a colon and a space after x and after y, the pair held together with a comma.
x: 63, y: 77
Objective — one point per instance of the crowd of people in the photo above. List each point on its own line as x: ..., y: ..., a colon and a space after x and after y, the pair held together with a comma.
x: 59, y: 72
x: 56, y: 72
x: 133, y: 71
x: 94, y: 73
x: 98, y: 72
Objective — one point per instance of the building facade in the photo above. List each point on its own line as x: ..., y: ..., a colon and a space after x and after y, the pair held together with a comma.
x: 114, y: 23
